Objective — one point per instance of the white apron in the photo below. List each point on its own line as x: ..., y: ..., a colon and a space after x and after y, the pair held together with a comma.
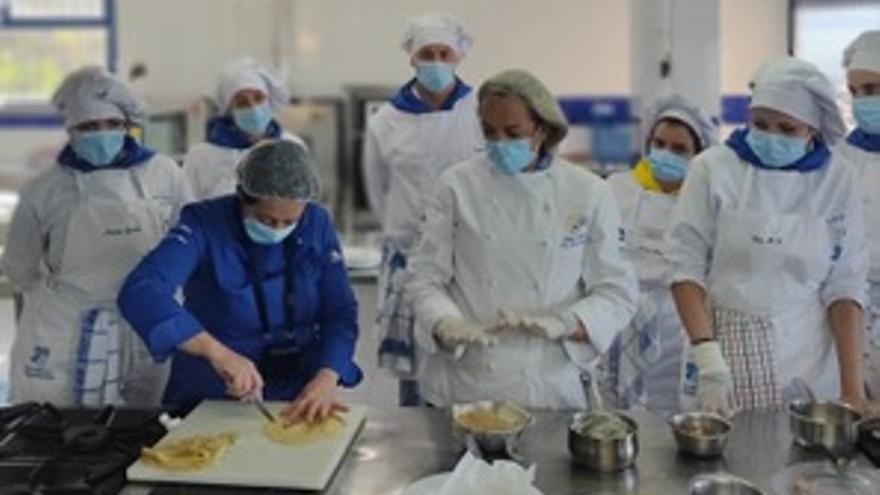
x: 871, y: 342
x: 644, y: 363
x: 765, y: 277
x: 72, y: 346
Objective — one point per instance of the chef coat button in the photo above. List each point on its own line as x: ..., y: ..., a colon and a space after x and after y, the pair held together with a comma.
x: 491, y: 366
x: 537, y: 286
x: 545, y: 243
x: 547, y: 207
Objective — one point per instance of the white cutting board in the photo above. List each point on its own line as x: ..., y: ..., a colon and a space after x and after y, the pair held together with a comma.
x: 255, y: 460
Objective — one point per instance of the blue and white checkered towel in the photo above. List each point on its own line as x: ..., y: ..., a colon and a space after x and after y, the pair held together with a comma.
x: 97, y: 381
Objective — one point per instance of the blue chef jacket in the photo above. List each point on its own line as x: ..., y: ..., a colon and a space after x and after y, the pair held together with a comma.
x: 310, y: 306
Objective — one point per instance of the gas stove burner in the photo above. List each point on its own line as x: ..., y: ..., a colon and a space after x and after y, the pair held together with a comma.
x: 17, y: 489
x: 89, y: 437
x: 46, y: 450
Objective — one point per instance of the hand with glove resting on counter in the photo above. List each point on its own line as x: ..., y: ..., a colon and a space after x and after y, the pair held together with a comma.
x: 714, y: 382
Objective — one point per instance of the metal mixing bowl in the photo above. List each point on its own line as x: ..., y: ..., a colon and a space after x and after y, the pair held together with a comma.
x: 602, y: 454
x: 497, y: 441
x: 722, y: 484
x: 700, y: 434
x: 829, y: 426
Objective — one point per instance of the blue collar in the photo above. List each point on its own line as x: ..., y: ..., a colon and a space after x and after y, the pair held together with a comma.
x: 223, y: 132
x: 406, y: 100
x: 813, y: 160
x: 862, y: 140
x: 132, y: 154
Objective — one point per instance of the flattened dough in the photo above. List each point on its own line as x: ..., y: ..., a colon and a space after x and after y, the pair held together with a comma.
x: 191, y: 453
x: 303, y: 432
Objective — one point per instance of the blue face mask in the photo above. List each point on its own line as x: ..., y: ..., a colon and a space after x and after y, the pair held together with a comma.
x: 511, y: 156
x: 667, y: 166
x: 775, y: 150
x: 866, y: 110
x: 99, y: 148
x: 435, y: 76
x: 263, y: 234
x: 253, y: 120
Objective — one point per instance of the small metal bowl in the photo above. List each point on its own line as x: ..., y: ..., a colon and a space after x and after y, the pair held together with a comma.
x: 605, y: 455
x: 492, y: 441
x: 829, y: 426
x: 700, y: 434
x: 722, y: 484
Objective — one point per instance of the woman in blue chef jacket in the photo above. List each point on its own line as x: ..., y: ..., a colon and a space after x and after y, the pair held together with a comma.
x: 269, y: 311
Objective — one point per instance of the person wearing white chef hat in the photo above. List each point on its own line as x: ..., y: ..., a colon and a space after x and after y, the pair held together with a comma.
x: 861, y: 150
x: 644, y: 363
x: 249, y: 95
x: 429, y: 125
x: 768, y: 253
x: 521, y: 263
x: 77, y: 231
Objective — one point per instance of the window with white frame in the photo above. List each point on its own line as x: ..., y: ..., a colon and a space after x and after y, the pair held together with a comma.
x: 42, y: 40
x: 823, y: 29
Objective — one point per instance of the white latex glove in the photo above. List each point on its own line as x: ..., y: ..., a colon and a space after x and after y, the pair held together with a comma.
x: 714, y: 382
x: 548, y: 327
x: 453, y: 332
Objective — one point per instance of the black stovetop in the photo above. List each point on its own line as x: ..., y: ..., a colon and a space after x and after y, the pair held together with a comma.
x: 44, y: 450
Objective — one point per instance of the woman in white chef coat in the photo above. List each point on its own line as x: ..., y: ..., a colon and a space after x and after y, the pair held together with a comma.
x: 644, y: 363
x: 861, y: 151
x: 248, y: 95
x: 429, y: 125
x: 768, y: 252
x: 519, y: 281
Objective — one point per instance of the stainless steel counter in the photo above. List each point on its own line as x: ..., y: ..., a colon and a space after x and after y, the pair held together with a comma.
x: 399, y: 446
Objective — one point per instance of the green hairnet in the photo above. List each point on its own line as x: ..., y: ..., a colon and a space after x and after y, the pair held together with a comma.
x: 278, y: 169
x: 537, y: 97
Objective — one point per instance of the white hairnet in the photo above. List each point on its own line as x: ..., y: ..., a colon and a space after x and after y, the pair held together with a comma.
x: 278, y: 168
x: 92, y: 93
x: 864, y: 52
x: 797, y: 88
x: 679, y: 108
x: 248, y: 73
x: 435, y: 28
